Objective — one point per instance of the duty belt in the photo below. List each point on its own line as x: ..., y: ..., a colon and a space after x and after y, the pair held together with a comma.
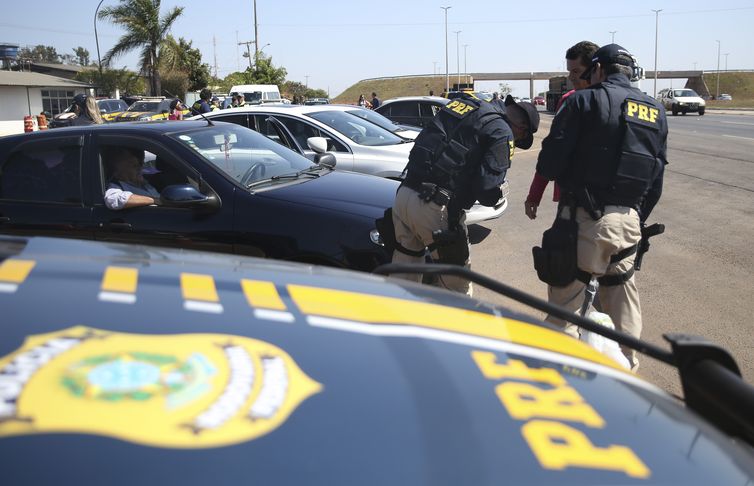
x: 430, y: 192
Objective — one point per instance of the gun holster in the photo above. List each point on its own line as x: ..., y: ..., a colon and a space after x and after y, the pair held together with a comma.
x: 556, y: 260
x: 452, y: 245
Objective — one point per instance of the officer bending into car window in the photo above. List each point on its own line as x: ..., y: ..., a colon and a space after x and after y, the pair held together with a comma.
x: 462, y: 156
x: 127, y: 187
x: 607, y: 151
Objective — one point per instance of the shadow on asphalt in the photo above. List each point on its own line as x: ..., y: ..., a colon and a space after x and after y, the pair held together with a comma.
x: 478, y: 233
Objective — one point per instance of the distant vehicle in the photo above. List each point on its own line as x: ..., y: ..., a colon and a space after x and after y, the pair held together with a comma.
x: 146, y: 109
x: 681, y: 101
x: 539, y: 100
x: 412, y: 110
x: 258, y: 93
x: 223, y: 188
x: 526, y: 99
x: 109, y: 109
x: 725, y: 97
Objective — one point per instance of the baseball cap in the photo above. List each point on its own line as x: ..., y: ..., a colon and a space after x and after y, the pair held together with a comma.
x: 79, y: 99
x: 532, y: 115
x: 609, y: 54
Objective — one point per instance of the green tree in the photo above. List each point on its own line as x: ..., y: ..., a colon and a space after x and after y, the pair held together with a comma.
x: 82, y: 56
x: 180, y: 56
x: 40, y: 53
x: 145, y: 31
x: 265, y: 73
x: 128, y: 82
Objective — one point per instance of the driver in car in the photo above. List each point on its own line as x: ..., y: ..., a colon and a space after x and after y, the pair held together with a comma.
x: 126, y: 186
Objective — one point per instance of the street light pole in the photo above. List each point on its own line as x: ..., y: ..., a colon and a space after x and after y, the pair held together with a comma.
x: 447, y: 76
x: 458, y: 57
x: 717, y: 91
x: 96, y: 38
x: 657, y: 27
x: 726, y: 61
x: 612, y: 39
x: 465, y: 71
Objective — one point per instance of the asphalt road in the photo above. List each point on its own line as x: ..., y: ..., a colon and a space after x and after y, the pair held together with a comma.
x: 697, y: 277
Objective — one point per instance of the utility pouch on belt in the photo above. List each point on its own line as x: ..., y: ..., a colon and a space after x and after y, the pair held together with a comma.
x: 451, y: 157
x: 452, y: 245
x: 556, y: 261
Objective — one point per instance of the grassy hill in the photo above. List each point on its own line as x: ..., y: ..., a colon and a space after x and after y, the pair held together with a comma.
x: 739, y: 85
x: 392, y: 87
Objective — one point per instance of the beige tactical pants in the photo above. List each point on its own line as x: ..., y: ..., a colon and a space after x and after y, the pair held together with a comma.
x: 598, y: 240
x: 414, y: 221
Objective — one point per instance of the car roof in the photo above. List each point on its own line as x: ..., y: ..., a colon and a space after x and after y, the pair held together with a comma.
x: 155, y: 126
x: 192, y: 367
x: 438, y: 99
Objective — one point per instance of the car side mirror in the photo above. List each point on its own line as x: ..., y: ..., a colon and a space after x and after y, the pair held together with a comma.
x: 185, y: 196
x: 318, y: 144
x: 326, y: 160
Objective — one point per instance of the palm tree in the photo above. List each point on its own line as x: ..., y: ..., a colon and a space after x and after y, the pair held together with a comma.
x: 145, y: 30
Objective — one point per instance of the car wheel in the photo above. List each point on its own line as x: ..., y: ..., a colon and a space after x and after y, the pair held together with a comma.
x: 675, y: 110
x: 701, y: 111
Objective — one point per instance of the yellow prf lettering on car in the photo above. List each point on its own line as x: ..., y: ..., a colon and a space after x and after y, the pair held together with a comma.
x: 558, y: 446
x: 514, y: 369
x: 524, y: 401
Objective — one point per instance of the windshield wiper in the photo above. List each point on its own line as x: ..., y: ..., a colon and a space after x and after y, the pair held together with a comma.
x: 295, y: 175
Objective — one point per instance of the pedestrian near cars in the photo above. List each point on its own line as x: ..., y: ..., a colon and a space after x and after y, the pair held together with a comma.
x: 607, y: 151
x: 462, y: 156
x: 176, y: 110
x: 363, y: 102
x: 87, y: 112
x: 375, y: 101
x: 578, y: 59
x: 202, y: 105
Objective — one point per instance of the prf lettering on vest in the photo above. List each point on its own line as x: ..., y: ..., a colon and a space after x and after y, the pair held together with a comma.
x: 642, y: 112
x: 460, y: 108
x: 543, y: 401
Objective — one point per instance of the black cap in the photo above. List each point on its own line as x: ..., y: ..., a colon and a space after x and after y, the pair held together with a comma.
x: 79, y: 99
x: 609, y: 54
x: 533, y: 116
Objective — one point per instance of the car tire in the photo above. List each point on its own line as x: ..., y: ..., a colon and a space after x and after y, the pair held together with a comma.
x: 701, y: 111
x: 675, y: 110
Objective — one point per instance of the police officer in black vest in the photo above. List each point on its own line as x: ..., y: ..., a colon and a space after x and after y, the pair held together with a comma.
x: 607, y: 151
x: 460, y: 157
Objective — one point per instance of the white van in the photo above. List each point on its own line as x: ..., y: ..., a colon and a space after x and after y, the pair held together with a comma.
x: 258, y: 93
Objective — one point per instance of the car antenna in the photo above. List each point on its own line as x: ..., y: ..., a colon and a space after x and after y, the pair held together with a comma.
x: 209, y: 122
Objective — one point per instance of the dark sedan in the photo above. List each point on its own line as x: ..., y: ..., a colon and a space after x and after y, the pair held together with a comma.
x: 223, y: 188
x: 412, y: 110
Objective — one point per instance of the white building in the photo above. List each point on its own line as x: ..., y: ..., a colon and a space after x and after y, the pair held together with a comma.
x: 24, y: 93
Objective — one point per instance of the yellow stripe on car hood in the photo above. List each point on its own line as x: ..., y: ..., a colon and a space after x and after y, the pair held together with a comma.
x: 373, y: 309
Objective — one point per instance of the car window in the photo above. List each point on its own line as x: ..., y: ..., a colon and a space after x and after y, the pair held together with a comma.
x: 428, y: 110
x: 242, y: 154
x: 238, y: 119
x: 302, y: 131
x: 357, y: 129
x: 406, y: 108
x: 374, y: 117
x: 145, y: 106
x: 42, y: 174
x: 266, y: 127
x: 684, y: 92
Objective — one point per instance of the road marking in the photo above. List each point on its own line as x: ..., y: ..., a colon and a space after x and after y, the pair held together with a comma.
x: 743, y: 138
x: 738, y: 123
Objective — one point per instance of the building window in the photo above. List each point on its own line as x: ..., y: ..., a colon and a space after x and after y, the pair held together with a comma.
x: 55, y: 101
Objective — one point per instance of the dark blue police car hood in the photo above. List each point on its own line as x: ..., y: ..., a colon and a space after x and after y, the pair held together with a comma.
x: 349, y: 192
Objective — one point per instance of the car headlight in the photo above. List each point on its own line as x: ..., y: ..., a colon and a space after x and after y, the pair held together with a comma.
x: 681, y: 103
x: 375, y: 237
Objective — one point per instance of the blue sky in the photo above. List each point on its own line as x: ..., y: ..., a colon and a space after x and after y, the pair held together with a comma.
x: 337, y: 43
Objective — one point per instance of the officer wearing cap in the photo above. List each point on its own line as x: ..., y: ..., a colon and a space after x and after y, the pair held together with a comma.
x: 607, y: 151
x: 462, y: 156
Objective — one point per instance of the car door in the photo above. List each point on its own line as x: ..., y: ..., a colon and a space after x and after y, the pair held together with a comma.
x: 302, y: 130
x: 427, y: 112
x: 41, y: 187
x: 193, y: 227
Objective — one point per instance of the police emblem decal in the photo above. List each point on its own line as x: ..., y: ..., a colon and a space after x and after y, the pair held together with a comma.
x: 208, y: 390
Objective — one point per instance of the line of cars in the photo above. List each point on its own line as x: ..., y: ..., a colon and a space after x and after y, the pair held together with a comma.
x: 117, y: 110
